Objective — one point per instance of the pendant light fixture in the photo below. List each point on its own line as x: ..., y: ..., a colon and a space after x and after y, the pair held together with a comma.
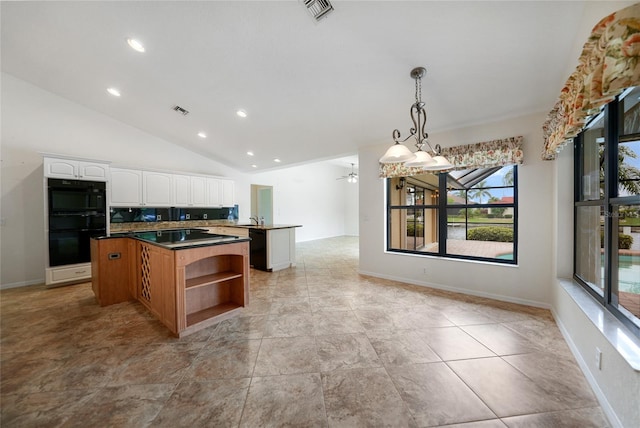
x: 422, y: 159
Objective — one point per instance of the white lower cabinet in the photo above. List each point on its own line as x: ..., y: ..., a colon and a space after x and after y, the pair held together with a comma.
x: 281, y: 248
x: 67, y: 274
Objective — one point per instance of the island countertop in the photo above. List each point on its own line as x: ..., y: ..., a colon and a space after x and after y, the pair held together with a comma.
x: 177, y: 239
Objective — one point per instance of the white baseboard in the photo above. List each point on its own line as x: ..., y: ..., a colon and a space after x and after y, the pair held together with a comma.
x: 600, y: 396
x: 500, y: 297
x: 21, y: 284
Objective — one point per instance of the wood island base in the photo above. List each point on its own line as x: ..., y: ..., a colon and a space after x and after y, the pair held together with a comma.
x: 187, y: 289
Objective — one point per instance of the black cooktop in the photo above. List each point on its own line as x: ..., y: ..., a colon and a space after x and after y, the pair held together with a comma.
x: 177, y: 236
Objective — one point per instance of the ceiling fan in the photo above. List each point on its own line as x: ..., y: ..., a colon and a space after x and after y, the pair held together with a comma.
x: 352, y: 177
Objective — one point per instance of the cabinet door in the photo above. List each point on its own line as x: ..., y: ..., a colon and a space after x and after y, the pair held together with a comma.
x: 156, y: 189
x: 228, y: 196
x: 181, y: 190
x: 198, y: 191
x: 214, y: 192
x: 126, y: 187
x: 60, y: 168
x: 93, y: 171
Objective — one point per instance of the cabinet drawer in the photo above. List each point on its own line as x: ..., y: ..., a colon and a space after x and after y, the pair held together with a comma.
x: 70, y: 273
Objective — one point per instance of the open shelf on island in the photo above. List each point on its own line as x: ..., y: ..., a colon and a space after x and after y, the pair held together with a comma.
x: 214, y: 287
x: 211, y: 278
x: 210, y: 312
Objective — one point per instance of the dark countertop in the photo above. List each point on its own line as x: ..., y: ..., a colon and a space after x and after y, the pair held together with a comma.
x: 265, y: 227
x: 179, y: 239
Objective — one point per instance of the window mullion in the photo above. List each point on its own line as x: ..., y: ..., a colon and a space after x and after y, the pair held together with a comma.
x: 442, y: 213
x: 610, y: 190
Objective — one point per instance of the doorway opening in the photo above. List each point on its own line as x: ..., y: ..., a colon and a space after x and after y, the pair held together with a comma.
x: 262, y: 202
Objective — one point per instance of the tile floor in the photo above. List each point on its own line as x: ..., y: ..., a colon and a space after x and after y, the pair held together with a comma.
x: 319, y: 345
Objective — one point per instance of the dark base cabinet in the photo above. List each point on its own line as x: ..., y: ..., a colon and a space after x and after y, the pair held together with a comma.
x: 258, y: 245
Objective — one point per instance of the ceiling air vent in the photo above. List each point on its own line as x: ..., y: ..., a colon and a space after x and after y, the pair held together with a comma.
x: 318, y: 8
x: 181, y: 110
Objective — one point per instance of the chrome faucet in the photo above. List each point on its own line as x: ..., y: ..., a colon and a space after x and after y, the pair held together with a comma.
x: 255, y: 219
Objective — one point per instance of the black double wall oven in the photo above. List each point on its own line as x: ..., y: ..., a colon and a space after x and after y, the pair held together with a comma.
x: 77, y: 212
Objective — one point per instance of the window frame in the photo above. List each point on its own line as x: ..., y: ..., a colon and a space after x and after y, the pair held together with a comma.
x: 609, y: 203
x: 443, y: 208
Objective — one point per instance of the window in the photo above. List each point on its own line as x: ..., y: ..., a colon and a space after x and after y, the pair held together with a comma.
x: 476, y: 220
x: 607, y: 208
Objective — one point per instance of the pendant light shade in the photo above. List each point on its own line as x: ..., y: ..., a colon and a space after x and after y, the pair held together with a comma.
x: 440, y: 163
x: 422, y: 159
x: 397, y: 153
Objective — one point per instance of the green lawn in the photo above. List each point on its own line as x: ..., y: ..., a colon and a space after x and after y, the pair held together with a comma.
x: 629, y: 221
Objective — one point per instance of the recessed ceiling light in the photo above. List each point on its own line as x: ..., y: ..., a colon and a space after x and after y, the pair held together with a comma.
x: 241, y: 113
x: 254, y: 166
x: 277, y: 160
x: 250, y: 153
x: 135, y: 45
x: 114, y: 92
x: 202, y: 135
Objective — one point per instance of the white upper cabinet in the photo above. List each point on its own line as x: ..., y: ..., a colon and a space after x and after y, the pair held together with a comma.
x: 157, y: 189
x: 126, y: 187
x: 220, y: 192
x: 181, y: 190
x: 228, y: 193
x: 198, y: 191
x: 76, y: 169
x: 189, y: 191
x: 93, y: 171
x: 214, y: 192
x: 136, y: 188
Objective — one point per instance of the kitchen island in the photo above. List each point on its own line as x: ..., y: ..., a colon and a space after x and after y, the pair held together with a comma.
x: 188, y: 278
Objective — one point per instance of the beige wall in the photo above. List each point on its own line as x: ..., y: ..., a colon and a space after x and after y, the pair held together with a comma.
x: 528, y: 282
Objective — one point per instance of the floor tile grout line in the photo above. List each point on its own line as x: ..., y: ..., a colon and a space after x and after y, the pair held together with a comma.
x: 470, y: 388
x: 246, y: 397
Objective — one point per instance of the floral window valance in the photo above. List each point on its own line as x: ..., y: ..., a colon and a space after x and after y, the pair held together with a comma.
x: 609, y: 63
x: 507, y: 151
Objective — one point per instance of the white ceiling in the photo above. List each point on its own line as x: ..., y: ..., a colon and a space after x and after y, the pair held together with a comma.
x: 312, y: 90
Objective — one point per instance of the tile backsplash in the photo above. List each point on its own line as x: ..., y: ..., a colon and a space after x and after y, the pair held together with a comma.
x: 151, y: 215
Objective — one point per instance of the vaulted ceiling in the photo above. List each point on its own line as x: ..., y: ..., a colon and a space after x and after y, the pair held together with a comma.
x: 311, y: 90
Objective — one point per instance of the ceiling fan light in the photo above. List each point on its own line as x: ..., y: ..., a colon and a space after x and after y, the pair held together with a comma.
x: 397, y: 153
x: 421, y: 159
